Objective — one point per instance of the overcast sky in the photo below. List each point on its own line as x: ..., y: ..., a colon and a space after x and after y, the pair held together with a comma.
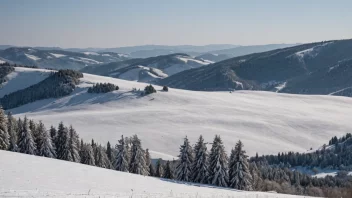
x: 115, y: 23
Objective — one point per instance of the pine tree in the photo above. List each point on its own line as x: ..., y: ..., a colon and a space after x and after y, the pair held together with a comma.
x: 102, y: 159
x: 12, y: 131
x: 121, y: 160
x: 257, y: 181
x: 53, y: 135
x: 109, y: 151
x: 74, y: 144
x: 25, y: 139
x: 35, y: 133
x: 159, y: 172
x: 63, y: 143
x: 218, y: 167
x: 240, y: 177
x: 168, y: 173
x: 87, y: 156
x: 200, y: 168
x: 149, y: 163
x: 138, y: 162
x: 184, y: 167
x: 45, y: 146
x: 4, y: 136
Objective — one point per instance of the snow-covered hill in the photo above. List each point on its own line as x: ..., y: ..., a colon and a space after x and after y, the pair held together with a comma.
x: 266, y: 122
x: 57, y: 59
x: 148, y: 69
x: 32, y: 176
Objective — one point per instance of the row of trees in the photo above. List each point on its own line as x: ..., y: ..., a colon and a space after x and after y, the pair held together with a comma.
x: 338, y: 155
x: 195, y: 164
x: 103, y: 88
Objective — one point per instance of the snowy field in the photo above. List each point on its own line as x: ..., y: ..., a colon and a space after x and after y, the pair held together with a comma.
x: 266, y: 122
x: 33, y: 176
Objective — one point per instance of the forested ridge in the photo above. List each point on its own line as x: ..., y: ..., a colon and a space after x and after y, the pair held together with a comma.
x: 59, y: 83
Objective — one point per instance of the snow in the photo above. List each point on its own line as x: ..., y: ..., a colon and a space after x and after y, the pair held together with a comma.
x: 85, y: 60
x: 188, y: 59
x: 57, y: 55
x: 91, y: 53
x: 1, y: 61
x: 321, y: 173
x: 280, y: 87
x: 56, y: 178
x: 266, y: 122
x: 106, y: 55
x: 22, y: 78
x: 32, y: 57
x: 314, y: 51
x: 134, y: 74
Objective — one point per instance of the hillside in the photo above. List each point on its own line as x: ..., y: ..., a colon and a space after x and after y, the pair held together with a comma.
x: 316, y: 68
x: 266, y: 122
x: 57, y: 59
x: 56, y: 178
x: 244, y: 50
x: 148, y: 69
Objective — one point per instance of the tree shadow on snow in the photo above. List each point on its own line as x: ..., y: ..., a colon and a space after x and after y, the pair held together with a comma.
x: 78, y: 97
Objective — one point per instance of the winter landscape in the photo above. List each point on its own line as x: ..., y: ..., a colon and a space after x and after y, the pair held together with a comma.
x: 134, y: 101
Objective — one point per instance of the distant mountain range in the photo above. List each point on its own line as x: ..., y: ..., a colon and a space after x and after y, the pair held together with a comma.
x: 315, y: 68
x: 147, y: 69
x: 58, y: 59
x: 145, y: 51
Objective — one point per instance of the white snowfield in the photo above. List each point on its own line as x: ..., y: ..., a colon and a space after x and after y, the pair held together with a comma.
x: 266, y: 122
x: 32, y: 176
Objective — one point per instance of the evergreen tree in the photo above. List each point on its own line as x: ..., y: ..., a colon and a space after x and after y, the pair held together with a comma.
x: 138, y: 162
x: 4, y: 136
x: 257, y: 181
x: 63, y: 143
x: 218, y: 168
x: 35, y: 133
x: 109, y: 151
x: 149, y: 163
x: 184, y: 167
x: 87, y: 156
x: 12, y: 131
x: 74, y: 145
x: 53, y: 135
x: 102, y: 159
x: 121, y: 161
x: 159, y: 172
x: 200, y: 168
x: 168, y: 173
x: 25, y: 139
x: 240, y: 177
x: 45, y: 146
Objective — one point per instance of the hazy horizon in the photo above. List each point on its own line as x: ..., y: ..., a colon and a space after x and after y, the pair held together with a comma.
x: 109, y: 23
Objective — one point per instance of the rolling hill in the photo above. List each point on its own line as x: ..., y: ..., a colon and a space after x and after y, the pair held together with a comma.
x: 316, y: 68
x: 266, y: 122
x: 57, y: 59
x: 148, y: 69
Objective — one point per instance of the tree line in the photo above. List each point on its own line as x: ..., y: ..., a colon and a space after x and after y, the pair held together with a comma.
x: 336, y: 155
x: 195, y: 164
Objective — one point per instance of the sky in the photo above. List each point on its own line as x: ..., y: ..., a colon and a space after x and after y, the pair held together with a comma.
x: 117, y: 23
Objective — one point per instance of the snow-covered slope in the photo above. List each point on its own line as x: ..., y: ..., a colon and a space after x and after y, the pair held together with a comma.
x: 148, y: 69
x: 32, y: 176
x: 22, y: 78
x: 58, y: 59
x: 266, y: 122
